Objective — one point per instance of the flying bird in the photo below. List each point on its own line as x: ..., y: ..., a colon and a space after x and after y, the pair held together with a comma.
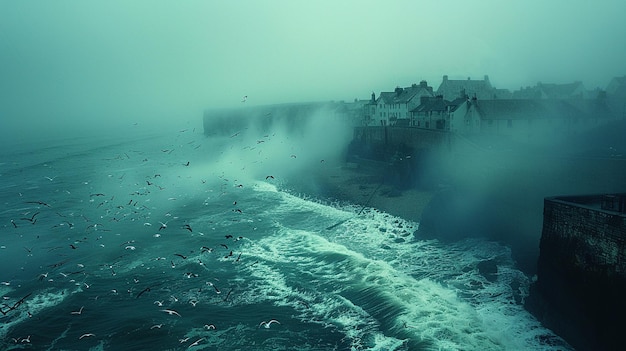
x: 171, y: 312
x: 37, y: 202
x: 267, y: 324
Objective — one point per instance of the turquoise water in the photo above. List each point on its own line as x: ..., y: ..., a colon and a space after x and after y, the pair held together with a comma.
x: 178, y: 241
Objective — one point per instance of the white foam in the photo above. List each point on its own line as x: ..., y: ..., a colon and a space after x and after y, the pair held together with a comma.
x: 33, y: 304
x: 422, y: 278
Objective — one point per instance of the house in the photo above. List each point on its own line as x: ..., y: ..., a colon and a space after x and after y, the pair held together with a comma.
x: 451, y: 89
x: 369, y: 111
x: 435, y: 113
x: 393, y: 108
x: 574, y: 90
x: 529, y: 120
x: 616, y: 96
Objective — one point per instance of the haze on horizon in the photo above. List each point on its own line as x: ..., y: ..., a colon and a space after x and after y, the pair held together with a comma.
x: 76, y: 66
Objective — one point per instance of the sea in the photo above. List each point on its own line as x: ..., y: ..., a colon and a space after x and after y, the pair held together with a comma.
x: 177, y: 240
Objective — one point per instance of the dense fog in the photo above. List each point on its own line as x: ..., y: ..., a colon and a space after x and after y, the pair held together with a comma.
x: 73, y: 67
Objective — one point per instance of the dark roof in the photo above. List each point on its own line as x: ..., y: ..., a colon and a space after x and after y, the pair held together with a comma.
x: 561, y: 91
x: 405, y: 95
x: 452, y: 88
x: 617, y: 86
x: 526, y: 109
x: 438, y: 104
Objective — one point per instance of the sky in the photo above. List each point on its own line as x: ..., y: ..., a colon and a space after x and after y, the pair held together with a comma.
x: 71, y: 66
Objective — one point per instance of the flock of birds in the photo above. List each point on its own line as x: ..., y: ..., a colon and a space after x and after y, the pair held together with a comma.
x: 93, y: 214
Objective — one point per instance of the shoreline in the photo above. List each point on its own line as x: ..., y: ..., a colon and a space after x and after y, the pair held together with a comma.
x: 363, y: 185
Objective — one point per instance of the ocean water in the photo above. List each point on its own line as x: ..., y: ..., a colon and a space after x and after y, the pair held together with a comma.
x: 178, y: 241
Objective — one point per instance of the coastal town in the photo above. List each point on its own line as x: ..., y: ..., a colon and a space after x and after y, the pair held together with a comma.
x: 474, y: 106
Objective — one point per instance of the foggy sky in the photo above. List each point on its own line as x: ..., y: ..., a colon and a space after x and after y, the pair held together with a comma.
x: 91, y: 64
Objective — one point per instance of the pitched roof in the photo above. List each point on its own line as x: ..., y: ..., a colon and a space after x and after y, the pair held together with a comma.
x: 405, y: 95
x: 561, y: 91
x: 453, y: 88
x: 617, y: 85
x: 551, y: 91
x: 438, y: 103
x: 526, y: 109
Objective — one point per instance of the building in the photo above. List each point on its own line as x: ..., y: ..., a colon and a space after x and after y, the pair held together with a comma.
x: 436, y: 113
x: 528, y: 120
x: 393, y: 108
x: 575, y: 90
x: 616, y: 96
x: 452, y: 89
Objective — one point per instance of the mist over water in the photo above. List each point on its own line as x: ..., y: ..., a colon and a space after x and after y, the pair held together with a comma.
x: 116, y: 203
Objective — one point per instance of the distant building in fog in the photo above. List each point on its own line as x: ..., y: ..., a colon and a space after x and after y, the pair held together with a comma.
x: 451, y: 89
x: 574, y: 90
x: 616, y: 96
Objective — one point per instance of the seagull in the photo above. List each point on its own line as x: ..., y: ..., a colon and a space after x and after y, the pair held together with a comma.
x: 266, y: 325
x: 79, y: 311
x: 195, y: 343
x: 209, y: 326
x: 32, y: 219
x: 172, y: 312
x: 38, y: 202
x: 86, y: 335
x: 244, y: 98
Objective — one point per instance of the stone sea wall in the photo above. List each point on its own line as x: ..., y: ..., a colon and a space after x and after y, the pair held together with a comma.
x: 581, y: 287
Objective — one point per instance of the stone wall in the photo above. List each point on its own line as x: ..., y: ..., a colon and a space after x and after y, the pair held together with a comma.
x: 411, y: 138
x: 581, y: 274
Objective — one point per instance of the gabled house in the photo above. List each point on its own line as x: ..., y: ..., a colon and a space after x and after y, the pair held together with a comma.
x: 451, y: 89
x: 617, y: 87
x: 435, y: 113
x: 393, y: 108
x: 616, y: 96
x: 527, y: 120
x: 574, y: 90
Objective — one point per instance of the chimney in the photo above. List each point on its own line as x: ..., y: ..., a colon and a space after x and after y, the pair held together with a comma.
x: 373, y: 96
x: 486, y: 78
x: 398, y: 91
x: 423, y: 83
x: 445, y: 78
